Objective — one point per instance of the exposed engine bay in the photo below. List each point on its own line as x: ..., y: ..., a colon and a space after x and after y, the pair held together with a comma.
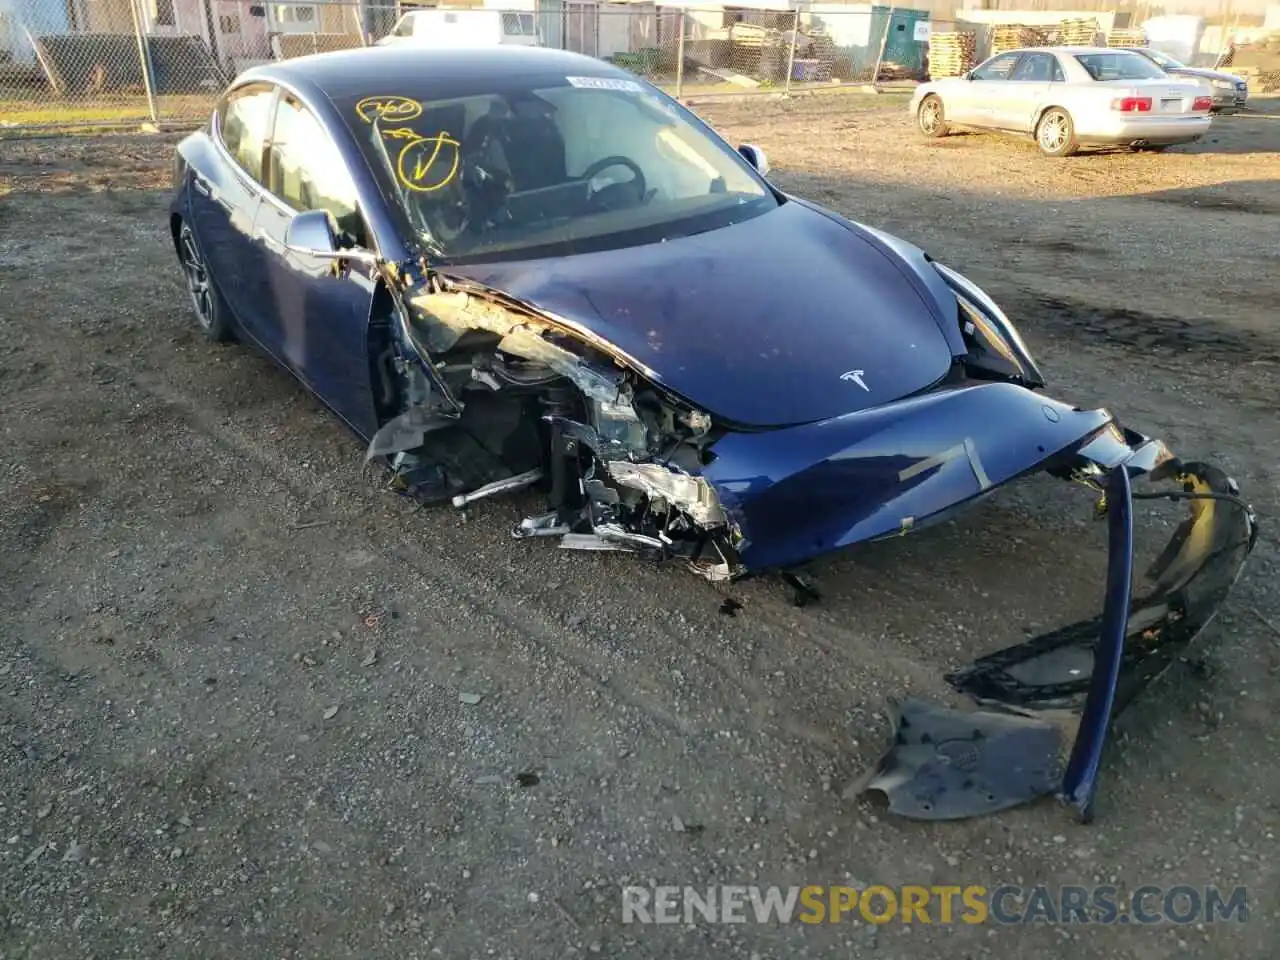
x: 503, y: 399
x: 483, y: 394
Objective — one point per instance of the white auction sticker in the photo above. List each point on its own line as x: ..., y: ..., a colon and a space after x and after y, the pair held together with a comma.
x: 606, y: 83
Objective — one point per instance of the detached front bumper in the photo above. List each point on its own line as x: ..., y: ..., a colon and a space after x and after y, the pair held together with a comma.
x: 792, y: 494
x: 1048, y: 702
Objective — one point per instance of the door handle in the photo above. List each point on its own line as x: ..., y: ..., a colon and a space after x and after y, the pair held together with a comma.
x: 203, y: 187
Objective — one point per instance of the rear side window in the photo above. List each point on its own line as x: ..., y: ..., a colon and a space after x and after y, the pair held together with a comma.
x: 307, y: 171
x: 1119, y: 66
x: 244, y: 120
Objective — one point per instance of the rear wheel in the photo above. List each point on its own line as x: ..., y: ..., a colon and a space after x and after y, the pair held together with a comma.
x: 931, y: 118
x: 211, y: 310
x: 1056, y: 134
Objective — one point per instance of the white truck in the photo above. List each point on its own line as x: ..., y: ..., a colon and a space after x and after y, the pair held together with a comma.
x: 463, y: 28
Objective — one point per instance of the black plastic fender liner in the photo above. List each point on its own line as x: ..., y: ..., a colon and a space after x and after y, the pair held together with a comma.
x: 948, y: 764
x: 1083, y: 673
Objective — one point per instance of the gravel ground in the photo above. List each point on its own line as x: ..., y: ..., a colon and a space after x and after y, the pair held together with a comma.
x: 253, y: 706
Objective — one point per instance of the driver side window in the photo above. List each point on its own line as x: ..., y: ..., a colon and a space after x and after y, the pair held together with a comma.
x: 306, y: 170
x: 997, y: 69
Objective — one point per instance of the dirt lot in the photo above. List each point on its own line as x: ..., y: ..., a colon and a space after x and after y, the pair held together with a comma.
x: 231, y: 666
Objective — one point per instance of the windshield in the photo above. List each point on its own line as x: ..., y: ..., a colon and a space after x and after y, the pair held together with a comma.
x: 574, y: 163
x: 1166, y: 61
x: 1119, y: 66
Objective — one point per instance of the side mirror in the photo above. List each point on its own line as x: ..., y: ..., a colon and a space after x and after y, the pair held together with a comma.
x: 315, y: 233
x: 756, y: 157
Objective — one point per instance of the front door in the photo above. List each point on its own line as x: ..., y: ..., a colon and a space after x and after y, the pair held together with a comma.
x: 321, y: 306
x: 986, y: 87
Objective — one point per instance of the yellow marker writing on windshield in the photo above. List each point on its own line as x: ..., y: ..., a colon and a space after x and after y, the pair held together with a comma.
x: 387, y: 107
x: 401, y: 133
x: 420, y: 162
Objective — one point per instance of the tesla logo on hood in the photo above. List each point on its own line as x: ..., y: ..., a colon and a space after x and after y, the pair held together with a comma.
x: 855, y: 376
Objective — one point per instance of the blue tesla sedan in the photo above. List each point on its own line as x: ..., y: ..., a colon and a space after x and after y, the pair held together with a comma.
x: 513, y: 267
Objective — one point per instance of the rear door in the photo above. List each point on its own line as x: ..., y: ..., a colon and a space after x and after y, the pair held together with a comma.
x: 224, y: 192
x: 1026, y: 89
x: 321, y: 306
x: 977, y: 97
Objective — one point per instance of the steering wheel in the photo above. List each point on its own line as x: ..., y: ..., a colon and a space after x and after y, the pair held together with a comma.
x: 635, y: 185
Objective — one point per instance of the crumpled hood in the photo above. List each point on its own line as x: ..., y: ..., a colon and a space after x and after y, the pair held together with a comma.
x: 789, y: 317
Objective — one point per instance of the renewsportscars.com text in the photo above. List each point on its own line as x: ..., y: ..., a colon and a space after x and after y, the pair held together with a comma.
x: 972, y: 904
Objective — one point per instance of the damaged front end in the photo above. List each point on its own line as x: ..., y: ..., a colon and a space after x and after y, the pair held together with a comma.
x: 1047, y: 703
x: 496, y: 396
x: 486, y: 394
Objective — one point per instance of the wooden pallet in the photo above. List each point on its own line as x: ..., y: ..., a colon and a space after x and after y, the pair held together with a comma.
x: 1015, y: 36
x: 1077, y: 33
x: 951, y: 54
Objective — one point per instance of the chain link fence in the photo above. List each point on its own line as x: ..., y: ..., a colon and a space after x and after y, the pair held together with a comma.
x: 102, y: 63
x: 97, y: 63
x: 712, y: 51
x: 78, y: 63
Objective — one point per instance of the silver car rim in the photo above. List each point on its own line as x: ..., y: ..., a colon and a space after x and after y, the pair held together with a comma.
x: 930, y: 116
x: 197, y: 278
x: 1053, y: 132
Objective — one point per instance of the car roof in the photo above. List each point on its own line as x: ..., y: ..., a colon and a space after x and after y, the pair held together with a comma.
x: 1078, y: 50
x: 367, y: 71
x: 1071, y: 50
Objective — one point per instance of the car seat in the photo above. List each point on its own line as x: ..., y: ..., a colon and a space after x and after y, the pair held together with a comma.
x: 533, y: 149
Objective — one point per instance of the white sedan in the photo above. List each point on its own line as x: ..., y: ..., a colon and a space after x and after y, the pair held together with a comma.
x: 1069, y: 97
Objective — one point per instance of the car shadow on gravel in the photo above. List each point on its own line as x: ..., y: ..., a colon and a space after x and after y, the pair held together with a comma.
x: 1223, y: 197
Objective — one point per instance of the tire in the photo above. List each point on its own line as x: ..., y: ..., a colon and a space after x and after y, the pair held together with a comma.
x: 1056, y: 134
x: 213, y: 316
x: 931, y: 118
